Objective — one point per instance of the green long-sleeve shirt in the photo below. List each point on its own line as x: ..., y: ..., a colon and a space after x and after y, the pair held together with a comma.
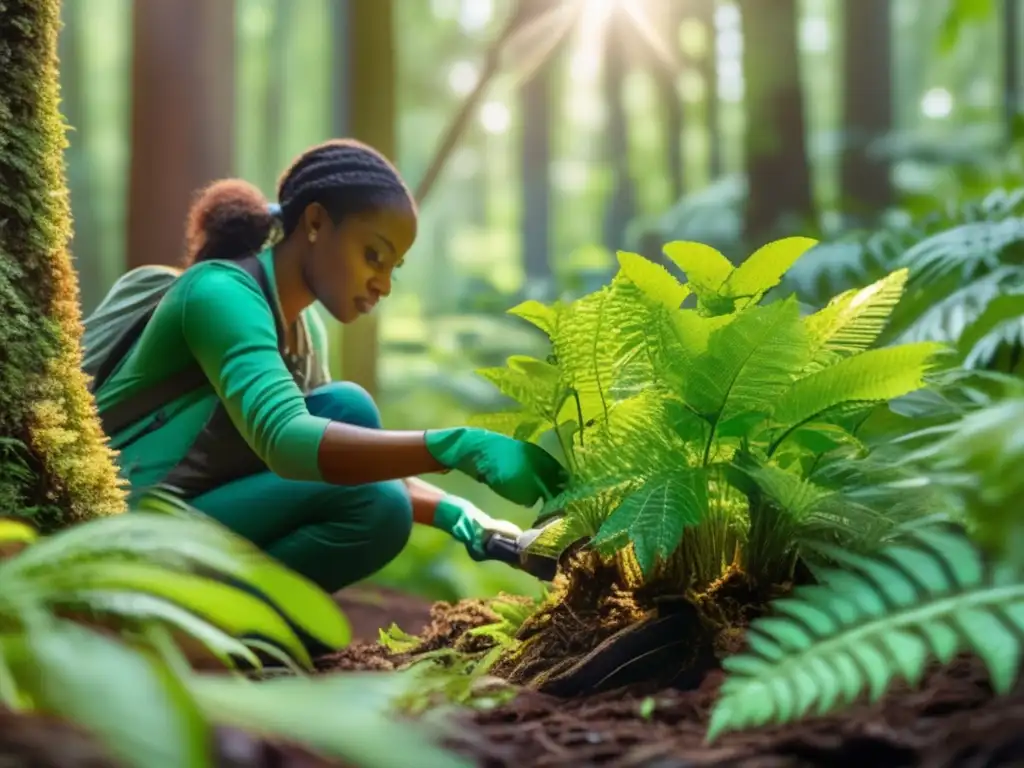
x: 216, y: 315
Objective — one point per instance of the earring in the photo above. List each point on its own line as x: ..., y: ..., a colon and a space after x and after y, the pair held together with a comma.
x: 312, y: 236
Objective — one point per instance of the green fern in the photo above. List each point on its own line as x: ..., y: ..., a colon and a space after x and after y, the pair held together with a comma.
x: 878, y: 619
x: 650, y: 399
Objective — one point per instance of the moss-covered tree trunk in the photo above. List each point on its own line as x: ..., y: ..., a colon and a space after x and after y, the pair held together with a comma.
x: 54, y: 463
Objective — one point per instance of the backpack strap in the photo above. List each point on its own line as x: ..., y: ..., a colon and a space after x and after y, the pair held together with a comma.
x: 122, y: 415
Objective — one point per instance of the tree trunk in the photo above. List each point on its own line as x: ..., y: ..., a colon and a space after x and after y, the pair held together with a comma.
x: 183, y: 104
x: 47, y: 417
x: 705, y: 12
x: 370, y: 117
x: 622, y: 205
x: 868, y: 106
x: 84, y: 248
x: 776, y: 146
x: 669, y: 19
x: 535, y: 101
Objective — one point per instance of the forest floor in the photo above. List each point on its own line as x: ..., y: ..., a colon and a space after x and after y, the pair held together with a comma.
x: 952, y: 720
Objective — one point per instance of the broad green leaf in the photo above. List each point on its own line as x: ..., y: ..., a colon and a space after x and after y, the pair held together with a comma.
x: 763, y: 270
x: 346, y: 717
x: 705, y: 268
x: 653, y: 279
x: 749, y: 363
x: 133, y: 704
x: 140, y: 607
x: 187, y: 544
x: 231, y: 609
x: 653, y: 517
x: 540, y: 315
x: 853, y: 321
x: 16, y: 532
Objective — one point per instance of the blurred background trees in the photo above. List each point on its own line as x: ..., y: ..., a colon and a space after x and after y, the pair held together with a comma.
x: 592, y: 126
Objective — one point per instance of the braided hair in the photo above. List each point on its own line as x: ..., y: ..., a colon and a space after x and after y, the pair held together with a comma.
x: 231, y: 219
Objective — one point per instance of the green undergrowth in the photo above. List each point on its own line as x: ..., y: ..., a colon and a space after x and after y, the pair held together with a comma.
x: 109, y: 625
x: 721, y: 453
x: 705, y: 428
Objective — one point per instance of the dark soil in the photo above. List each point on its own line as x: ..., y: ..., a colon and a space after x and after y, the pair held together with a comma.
x: 951, y: 720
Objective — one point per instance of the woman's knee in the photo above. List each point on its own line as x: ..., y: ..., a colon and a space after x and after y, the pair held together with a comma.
x: 344, y: 401
x: 391, y: 520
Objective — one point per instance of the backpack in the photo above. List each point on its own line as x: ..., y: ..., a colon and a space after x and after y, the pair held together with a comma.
x: 114, y: 327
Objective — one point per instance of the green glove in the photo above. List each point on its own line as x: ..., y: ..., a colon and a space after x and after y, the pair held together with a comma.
x: 521, y: 472
x: 466, y: 523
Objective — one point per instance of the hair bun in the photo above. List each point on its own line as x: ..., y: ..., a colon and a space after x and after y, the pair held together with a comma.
x: 230, y: 219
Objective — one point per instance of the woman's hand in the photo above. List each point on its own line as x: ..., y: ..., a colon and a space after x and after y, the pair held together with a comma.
x: 521, y: 472
x: 470, y: 525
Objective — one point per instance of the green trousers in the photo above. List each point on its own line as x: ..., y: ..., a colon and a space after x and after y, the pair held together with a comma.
x: 333, y: 535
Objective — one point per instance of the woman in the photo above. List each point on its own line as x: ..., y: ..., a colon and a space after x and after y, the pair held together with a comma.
x: 260, y: 442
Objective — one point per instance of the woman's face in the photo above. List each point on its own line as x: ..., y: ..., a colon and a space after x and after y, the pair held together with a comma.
x: 350, y: 265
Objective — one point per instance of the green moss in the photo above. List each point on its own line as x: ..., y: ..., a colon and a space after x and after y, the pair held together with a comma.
x: 56, y: 464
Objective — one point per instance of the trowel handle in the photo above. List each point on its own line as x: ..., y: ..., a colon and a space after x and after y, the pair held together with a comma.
x: 502, y: 548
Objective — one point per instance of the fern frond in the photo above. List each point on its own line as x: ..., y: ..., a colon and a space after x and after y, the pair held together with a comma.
x: 880, y: 618
x: 534, y: 384
x: 653, y: 279
x: 1000, y: 324
x: 749, y: 363
x: 764, y: 269
x: 653, y: 517
x: 543, y: 316
x: 594, y: 334
x: 875, y: 375
x: 948, y: 315
x: 521, y: 425
x: 965, y: 251
x: 853, y: 321
x: 705, y: 268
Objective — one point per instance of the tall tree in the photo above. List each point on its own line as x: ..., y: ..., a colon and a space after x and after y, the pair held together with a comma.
x: 778, y: 168
x: 669, y: 17
x: 182, y: 132
x: 704, y: 11
x: 84, y: 247
x: 535, y: 156
x: 867, y: 105
x: 54, y: 463
x: 369, y: 116
x: 622, y: 205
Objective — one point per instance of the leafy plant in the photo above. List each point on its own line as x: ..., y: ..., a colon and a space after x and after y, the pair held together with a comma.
x: 877, y: 619
x: 93, y: 619
x: 695, y: 418
x: 965, y: 282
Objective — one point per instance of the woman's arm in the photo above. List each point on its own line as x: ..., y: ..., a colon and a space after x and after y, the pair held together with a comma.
x: 350, y: 455
x: 230, y: 331
x: 425, y: 498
